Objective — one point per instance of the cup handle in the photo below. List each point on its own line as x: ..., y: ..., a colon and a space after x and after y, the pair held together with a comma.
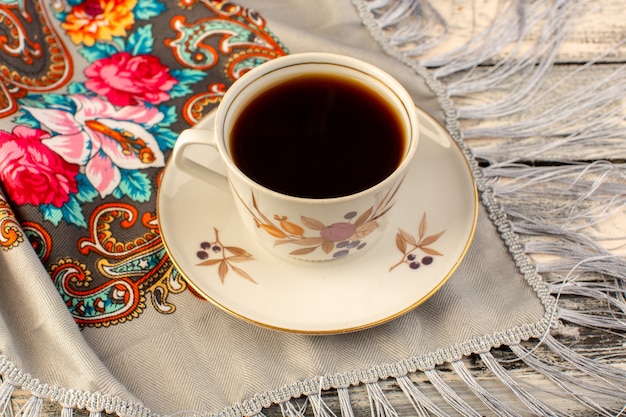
x: 204, y: 137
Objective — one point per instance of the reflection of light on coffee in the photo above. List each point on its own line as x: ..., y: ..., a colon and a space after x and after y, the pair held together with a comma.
x: 433, y: 130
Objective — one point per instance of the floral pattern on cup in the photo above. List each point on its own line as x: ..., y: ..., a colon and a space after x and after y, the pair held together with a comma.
x: 336, y: 239
x: 411, y: 247
x: 341, y: 237
x: 214, y: 253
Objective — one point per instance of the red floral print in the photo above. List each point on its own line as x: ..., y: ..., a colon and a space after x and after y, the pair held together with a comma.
x: 126, y: 79
x: 31, y: 172
x: 99, y: 20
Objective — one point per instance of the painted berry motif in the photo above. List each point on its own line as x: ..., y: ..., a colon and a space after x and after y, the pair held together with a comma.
x: 417, y: 252
x: 215, y: 253
x: 337, y: 239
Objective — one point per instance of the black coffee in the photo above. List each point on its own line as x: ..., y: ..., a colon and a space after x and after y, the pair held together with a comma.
x: 318, y: 136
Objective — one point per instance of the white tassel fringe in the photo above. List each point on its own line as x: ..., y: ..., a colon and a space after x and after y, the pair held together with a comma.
x: 6, y: 391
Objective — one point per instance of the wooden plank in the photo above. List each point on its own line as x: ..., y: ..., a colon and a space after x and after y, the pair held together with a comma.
x: 600, y: 26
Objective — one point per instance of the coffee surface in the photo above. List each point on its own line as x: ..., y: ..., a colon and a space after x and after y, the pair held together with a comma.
x: 318, y: 136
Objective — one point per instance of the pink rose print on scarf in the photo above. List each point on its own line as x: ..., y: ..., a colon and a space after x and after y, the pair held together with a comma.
x: 126, y: 79
x: 103, y: 138
x: 31, y: 172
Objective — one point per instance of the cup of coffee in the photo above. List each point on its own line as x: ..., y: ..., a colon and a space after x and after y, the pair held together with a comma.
x: 315, y: 147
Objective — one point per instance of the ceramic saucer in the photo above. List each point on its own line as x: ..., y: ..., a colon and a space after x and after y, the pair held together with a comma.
x: 431, y: 228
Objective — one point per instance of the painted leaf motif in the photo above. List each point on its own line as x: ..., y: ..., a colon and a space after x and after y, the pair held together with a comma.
x: 284, y: 241
x: 224, y: 258
x: 291, y: 228
x: 382, y: 213
x: 422, y: 227
x: 328, y: 247
x: 312, y: 223
x: 390, y: 196
x: 364, y: 217
x: 242, y: 273
x: 431, y: 239
x: 273, y: 230
x: 256, y: 207
x: 407, y: 244
x: 431, y: 251
x: 366, y: 229
x: 222, y: 270
x: 308, y: 241
x: 238, y: 251
x: 408, y: 238
x: 254, y: 203
x: 210, y: 262
x: 400, y: 242
x: 239, y: 258
x: 303, y: 251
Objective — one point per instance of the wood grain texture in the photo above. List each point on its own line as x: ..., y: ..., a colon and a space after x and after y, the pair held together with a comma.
x: 599, y: 29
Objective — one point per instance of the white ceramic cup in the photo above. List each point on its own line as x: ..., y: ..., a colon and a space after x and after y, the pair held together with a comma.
x: 313, y: 229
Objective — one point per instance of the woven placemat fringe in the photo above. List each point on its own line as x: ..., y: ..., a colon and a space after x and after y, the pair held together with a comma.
x: 32, y: 407
x: 420, y: 401
x: 540, y: 169
x: 496, y: 405
x: 605, y: 386
x: 571, y: 384
x: 450, y: 395
x: 6, y: 395
x: 345, y: 407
